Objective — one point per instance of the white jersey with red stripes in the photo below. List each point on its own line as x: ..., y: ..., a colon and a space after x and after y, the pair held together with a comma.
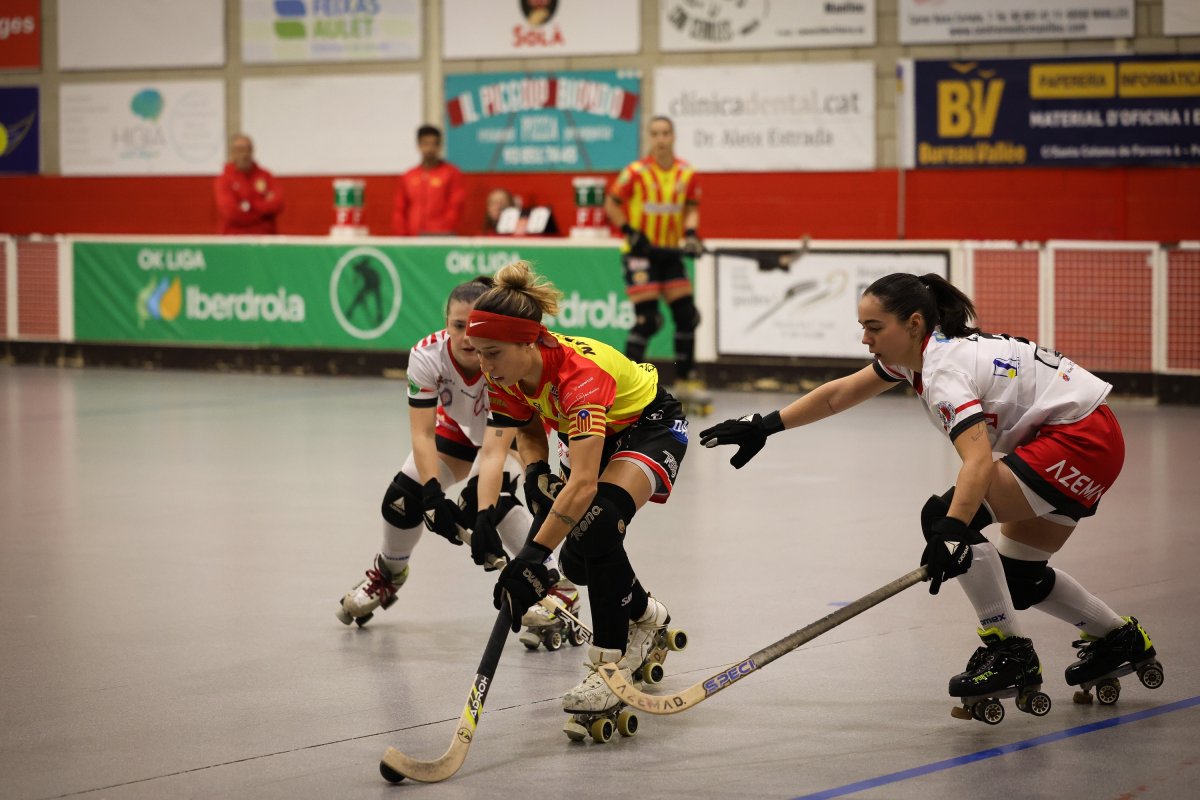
x: 434, y: 377
x: 1010, y: 383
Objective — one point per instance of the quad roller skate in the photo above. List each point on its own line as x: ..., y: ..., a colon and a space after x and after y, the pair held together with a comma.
x: 597, y: 712
x: 693, y: 396
x: 549, y: 627
x: 378, y: 590
x: 1102, y: 662
x: 1002, y: 667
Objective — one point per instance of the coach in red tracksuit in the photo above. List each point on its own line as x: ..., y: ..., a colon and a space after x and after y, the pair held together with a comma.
x: 248, y: 197
x: 430, y: 196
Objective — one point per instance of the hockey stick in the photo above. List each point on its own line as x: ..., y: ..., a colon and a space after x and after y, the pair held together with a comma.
x: 396, y: 766
x: 694, y: 695
x: 769, y: 260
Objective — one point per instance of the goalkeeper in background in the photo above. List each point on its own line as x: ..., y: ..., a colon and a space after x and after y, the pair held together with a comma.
x: 655, y: 202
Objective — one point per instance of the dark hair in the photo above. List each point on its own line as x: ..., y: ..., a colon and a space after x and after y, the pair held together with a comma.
x: 939, y: 302
x: 662, y: 118
x: 520, y: 292
x: 429, y: 130
x: 469, y: 292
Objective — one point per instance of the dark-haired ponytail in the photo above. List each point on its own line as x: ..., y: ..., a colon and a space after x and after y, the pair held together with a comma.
x: 937, y: 300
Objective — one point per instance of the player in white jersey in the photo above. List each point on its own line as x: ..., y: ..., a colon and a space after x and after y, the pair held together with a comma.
x: 447, y: 409
x: 1060, y: 449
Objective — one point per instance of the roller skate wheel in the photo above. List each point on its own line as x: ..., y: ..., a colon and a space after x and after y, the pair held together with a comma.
x: 1036, y: 703
x: 553, y: 641
x: 627, y: 723
x: 390, y: 775
x: 344, y: 616
x: 991, y: 711
x: 363, y: 620
x: 1108, y: 691
x: 1082, y: 698
x: 530, y: 639
x: 652, y: 672
x: 960, y: 712
x: 676, y: 639
x: 602, y: 730
x: 1151, y: 675
x: 574, y: 635
x: 574, y: 731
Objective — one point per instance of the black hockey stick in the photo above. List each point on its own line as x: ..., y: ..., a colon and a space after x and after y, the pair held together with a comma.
x: 766, y: 259
x: 396, y: 766
x: 694, y: 695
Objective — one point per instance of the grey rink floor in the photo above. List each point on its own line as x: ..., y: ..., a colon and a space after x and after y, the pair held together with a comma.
x: 173, y: 545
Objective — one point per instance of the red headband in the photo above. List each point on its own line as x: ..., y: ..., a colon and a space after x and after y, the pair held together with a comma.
x: 486, y: 325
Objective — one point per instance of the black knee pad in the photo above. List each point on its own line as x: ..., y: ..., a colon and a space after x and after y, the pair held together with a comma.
x: 402, y: 502
x: 936, y: 507
x: 647, y: 320
x: 1029, y: 582
x: 572, y: 564
x: 684, y: 314
x: 601, y: 529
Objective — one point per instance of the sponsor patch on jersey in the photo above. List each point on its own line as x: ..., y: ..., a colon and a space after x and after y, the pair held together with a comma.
x: 945, y: 410
x: 1006, y: 368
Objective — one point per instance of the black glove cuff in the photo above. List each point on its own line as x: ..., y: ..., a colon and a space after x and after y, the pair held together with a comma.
x: 535, y: 468
x: 772, y: 423
x: 627, y: 229
x: 533, y: 551
x: 432, y: 489
x: 691, y: 232
x: 951, y: 529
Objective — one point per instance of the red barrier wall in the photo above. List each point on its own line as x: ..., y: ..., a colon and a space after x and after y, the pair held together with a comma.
x: 1150, y: 204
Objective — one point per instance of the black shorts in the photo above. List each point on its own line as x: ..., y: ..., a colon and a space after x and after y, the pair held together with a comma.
x: 657, y: 443
x: 653, y: 273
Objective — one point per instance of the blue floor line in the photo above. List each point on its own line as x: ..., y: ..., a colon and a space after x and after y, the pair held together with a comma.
x: 992, y: 752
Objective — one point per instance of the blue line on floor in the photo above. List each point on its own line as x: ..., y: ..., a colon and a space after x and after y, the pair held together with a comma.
x: 982, y: 755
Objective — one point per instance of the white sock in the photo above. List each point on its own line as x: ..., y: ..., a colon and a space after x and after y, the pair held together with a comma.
x: 1072, y: 603
x: 987, y: 590
x: 398, y: 544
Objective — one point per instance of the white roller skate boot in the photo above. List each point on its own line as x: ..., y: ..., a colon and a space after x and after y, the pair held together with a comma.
x: 545, y: 627
x: 377, y: 590
x: 595, y: 711
x: 650, y: 641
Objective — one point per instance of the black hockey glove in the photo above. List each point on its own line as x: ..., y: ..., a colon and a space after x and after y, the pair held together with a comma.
x: 523, y: 581
x: 639, y: 245
x: 947, y: 554
x: 541, y: 487
x: 749, y: 433
x: 486, y: 547
x: 692, y: 244
x: 440, y: 512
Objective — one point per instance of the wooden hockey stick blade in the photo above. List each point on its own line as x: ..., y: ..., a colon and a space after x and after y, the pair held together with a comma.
x: 553, y: 604
x: 694, y: 695
x: 396, y: 766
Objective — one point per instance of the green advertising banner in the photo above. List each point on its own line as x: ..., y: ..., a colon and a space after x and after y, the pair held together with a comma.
x: 342, y: 296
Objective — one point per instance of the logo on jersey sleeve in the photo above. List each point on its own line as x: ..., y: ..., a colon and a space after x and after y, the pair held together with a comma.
x: 583, y: 421
x: 1006, y: 368
x: 945, y: 410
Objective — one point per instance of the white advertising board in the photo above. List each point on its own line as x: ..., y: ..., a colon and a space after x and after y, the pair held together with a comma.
x: 330, y: 30
x: 142, y: 128
x: 764, y: 25
x: 1181, y: 17
x: 339, y: 125
x: 770, y: 118
x: 139, y: 34
x: 960, y: 21
x: 536, y: 28
x: 810, y: 309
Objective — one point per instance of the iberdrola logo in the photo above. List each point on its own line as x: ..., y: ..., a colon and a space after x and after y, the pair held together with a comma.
x: 162, y: 299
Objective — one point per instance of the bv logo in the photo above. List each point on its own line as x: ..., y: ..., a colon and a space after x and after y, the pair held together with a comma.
x: 968, y: 107
x: 160, y: 300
